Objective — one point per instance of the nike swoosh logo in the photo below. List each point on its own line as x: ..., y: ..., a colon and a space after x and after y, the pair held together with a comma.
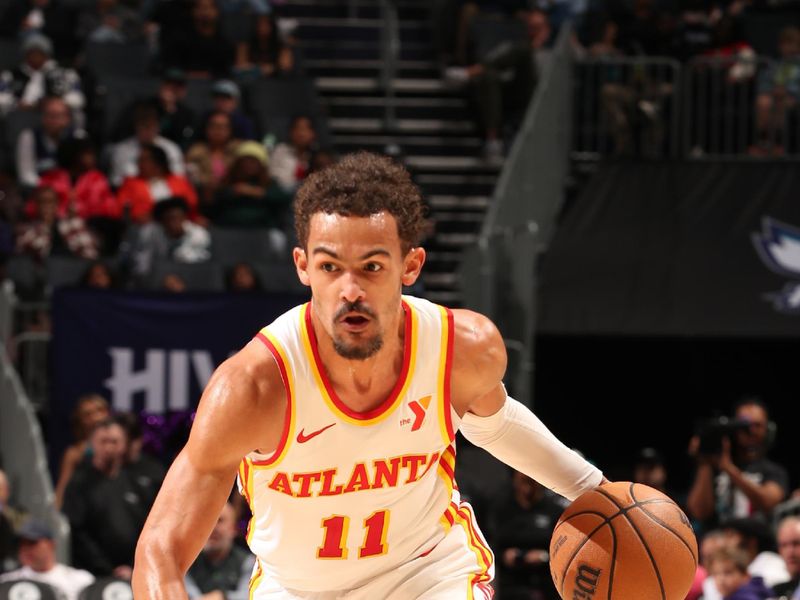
x: 302, y: 438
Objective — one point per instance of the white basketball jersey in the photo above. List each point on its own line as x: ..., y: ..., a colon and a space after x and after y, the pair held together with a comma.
x: 348, y: 496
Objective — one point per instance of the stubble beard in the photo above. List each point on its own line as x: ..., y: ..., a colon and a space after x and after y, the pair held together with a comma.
x: 358, y: 352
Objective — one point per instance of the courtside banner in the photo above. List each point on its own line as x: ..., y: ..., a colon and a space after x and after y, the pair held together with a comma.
x: 147, y: 352
x: 685, y: 248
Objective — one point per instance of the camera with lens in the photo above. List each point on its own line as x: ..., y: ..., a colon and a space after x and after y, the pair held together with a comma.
x: 712, y: 431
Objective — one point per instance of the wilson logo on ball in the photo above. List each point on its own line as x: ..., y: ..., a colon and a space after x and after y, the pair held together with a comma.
x: 585, y: 583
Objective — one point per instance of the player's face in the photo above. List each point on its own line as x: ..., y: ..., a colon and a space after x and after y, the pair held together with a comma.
x: 789, y: 546
x: 356, y: 269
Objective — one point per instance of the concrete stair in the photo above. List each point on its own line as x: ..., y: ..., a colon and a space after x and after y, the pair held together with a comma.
x: 434, y: 131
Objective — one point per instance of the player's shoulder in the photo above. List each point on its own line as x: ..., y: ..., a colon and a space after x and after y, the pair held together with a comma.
x: 252, y: 374
x: 477, y: 344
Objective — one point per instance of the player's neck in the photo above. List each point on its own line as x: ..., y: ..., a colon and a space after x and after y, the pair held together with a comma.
x: 364, y: 384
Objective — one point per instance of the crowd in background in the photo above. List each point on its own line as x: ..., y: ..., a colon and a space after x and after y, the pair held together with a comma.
x: 148, y: 186
x: 740, y: 502
x: 502, y: 63
x: 146, y: 182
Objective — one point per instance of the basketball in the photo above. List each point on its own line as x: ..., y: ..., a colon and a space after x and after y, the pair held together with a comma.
x: 623, y: 541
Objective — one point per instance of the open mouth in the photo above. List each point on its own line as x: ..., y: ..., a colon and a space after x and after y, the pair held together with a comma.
x: 355, y: 322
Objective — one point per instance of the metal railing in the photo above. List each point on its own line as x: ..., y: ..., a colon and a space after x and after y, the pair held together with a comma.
x: 720, y: 107
x: 21, y: 443
x: 627, y: 106
x: 498, y: 274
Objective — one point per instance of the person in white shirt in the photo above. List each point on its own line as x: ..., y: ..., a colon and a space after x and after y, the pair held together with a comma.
x: 289, y: 163
x: 39, y: 76
x: 37, y: 555
x: 125, y: 154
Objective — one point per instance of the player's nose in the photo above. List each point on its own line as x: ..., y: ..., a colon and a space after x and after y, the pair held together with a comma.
x: 351, y: 288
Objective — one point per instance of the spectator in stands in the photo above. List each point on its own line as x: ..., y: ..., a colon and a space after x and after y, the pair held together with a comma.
x: 48, y: 234
x: 778, y: 93
x: 52, y: 18
x: 171, y: 236
x: 738, y: 481
x: 242, y: 278
x: 37, y: 149
x: 99, y: 276
x: 222, y: 570
x: 758, y: 542
x: 207, y: 161
x: 39, y: 76
x: 710, y: 543
x: 37, y: 555
x: 177, y: 122
x: 89, y: 410
x: 249, y: 198
x: 104, y: 506
x: 522, y: 525
x: 154, y: 183
x: 789, y: 548
x: 649, y: 469
x: 728, y: 567
x: 225, y: 97
x: 125, y: 154
x: 109, y: 21
x: 290, y: 163
x: 82, y: 188
x: 147, y: 473
x: 505, y: 79
x: 264, y: 55
x: 472, y: 9
x: 200, y: 49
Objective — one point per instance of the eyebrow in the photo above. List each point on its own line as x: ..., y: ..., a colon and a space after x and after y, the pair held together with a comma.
x: 370, y: 254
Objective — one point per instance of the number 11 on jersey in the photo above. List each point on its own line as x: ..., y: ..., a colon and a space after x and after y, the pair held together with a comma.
x: 334, y: 537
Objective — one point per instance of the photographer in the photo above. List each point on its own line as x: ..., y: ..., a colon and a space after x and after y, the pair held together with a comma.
x: 734, y: 478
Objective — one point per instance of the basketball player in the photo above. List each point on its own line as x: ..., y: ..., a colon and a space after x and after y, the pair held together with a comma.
x: 340, y: 420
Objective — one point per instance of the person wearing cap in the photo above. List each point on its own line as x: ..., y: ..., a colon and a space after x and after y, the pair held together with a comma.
x: 37, y: 555
x: 39, y: 76
x: 248, y: 196
x: 225, y: 97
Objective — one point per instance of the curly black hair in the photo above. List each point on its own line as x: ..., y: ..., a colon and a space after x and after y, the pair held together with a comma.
x: 360, y: 185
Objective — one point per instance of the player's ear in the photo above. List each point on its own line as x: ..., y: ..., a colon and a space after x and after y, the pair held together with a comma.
x: 412, y: 265
x: 301, y: 264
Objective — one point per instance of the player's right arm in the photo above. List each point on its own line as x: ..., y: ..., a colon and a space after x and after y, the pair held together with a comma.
x: 241, y: 410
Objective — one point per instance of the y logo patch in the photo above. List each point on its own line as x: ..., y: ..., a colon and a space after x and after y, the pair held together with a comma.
x: 419, y: 408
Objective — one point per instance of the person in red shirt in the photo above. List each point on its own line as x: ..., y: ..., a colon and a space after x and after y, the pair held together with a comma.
x: 154, y: 183
x: 82, y: 189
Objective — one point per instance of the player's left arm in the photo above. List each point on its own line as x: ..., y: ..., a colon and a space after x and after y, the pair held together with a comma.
x: 501, y: 425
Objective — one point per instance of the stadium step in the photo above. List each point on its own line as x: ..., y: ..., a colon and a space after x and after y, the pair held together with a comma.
x: 433, y: 130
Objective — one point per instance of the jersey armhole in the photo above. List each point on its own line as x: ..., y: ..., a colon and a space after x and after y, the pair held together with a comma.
x: 445, y: 369
x: 274, y: 346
